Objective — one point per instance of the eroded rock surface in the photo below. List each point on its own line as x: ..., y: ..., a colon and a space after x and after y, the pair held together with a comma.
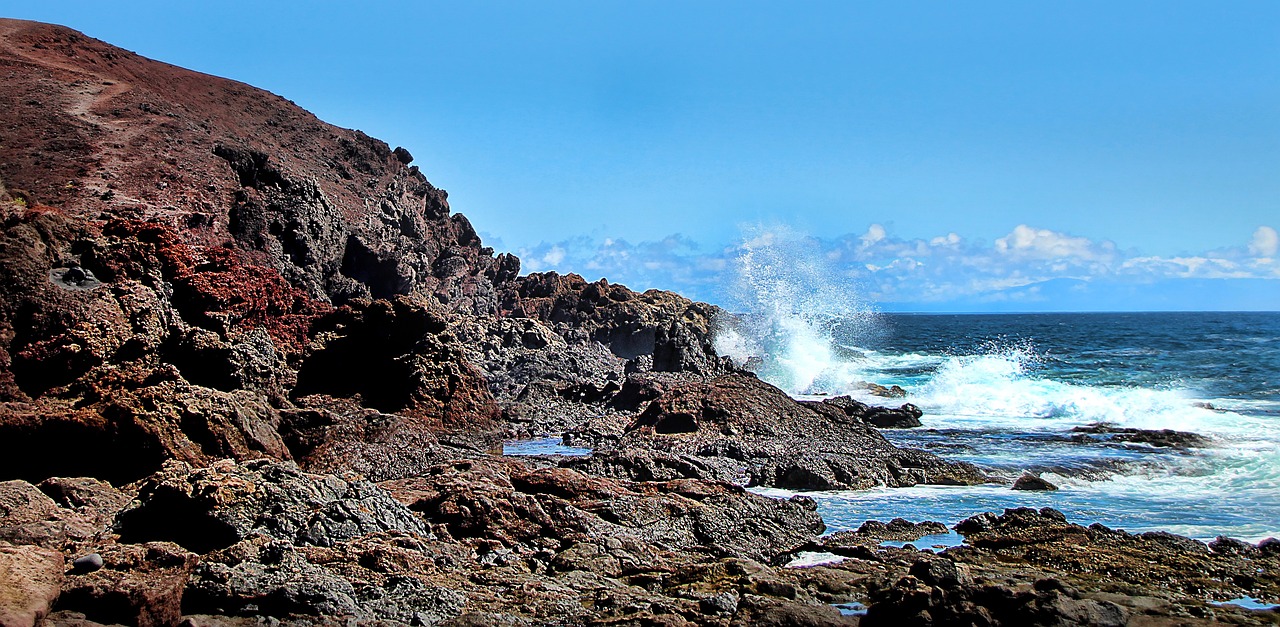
x: 253, y: 363
x: 745, y: 427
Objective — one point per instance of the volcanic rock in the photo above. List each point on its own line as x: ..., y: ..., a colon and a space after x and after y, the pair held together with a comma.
x: 27, y: 516
x: 140, y: 585
x: 30, y: 580
x: 874, y: 532
x: 511, y: 505
x: 212, y: 508
x: 1034, y: 483
x: 1162, y: 438
x: 905, y: 417
x: 776, y: 441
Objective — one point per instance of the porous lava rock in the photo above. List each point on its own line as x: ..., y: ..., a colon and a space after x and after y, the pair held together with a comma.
x: 1113, y: 560
x: 397, y: 356
x: 30, y: 581
x: 139, y: 584
x: 745, y: 426
x: 509, y: 505
x: 211, y: 508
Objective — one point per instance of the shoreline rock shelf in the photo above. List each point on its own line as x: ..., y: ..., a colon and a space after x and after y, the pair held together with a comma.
x: 252, y: 368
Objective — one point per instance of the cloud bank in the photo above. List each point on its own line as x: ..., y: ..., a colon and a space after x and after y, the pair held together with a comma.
x: 1030, y: 268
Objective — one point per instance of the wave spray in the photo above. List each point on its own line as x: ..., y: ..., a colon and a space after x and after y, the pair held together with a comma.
x: 792, y: 304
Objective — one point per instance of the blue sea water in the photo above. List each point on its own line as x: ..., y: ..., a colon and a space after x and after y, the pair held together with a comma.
x: 1004, y: 391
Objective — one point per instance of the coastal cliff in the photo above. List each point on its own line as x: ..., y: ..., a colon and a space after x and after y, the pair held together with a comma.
x: 254, y: 368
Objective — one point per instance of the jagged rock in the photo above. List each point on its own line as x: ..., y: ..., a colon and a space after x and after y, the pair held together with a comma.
x: 511, y: 505
x: 408, y: 364
x: 905, y: 417
x: 140, y: 585
x: 674, y: 333
x: 776, y: 441
x: 212, y: 508
x: 937, y: 594
x: 1163, y: 438
x: 30, y: 580
x: 338, y: 436
x: 873, y: 532
x: 85, y: 493
x: 27, y: 516
x: 268, y: 577
x: 1152, y: 561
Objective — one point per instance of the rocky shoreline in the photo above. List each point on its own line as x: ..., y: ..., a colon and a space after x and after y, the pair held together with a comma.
x: 254, y: 371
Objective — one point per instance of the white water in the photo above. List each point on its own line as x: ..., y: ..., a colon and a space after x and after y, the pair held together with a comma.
x: 1000, y: 408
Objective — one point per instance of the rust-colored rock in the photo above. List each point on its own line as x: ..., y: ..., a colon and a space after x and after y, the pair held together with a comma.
x: 30, y: 579
x: 140, y: 584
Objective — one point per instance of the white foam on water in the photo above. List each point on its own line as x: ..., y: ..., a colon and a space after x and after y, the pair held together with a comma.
x: 795, y: 305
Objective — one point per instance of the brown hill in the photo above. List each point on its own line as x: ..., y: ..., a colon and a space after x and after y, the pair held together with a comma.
x: 100, y: 133
x: 173, y: 248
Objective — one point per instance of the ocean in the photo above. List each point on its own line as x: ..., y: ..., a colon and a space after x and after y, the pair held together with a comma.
x: 1004, y: 391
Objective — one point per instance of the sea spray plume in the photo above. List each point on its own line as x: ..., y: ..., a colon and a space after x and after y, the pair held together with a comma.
x: 791, y: 301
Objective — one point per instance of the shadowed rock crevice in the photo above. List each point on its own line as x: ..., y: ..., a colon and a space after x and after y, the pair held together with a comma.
x: 171, y: 516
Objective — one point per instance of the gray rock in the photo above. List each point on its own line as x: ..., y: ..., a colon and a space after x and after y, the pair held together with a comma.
x: 212, y: 508
x: 725, y: 603
x: 87, y: 563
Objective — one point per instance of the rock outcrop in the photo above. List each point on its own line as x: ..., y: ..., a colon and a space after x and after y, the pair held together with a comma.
x: 252, y: 368
x: 738, y: 426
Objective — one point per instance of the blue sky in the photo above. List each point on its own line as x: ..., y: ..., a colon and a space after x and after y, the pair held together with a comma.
x: 929, y: 155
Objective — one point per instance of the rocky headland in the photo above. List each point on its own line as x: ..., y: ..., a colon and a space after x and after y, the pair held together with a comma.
x: 255, y: 371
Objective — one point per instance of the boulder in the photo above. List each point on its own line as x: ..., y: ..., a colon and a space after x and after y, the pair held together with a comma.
x: 212, y: 508
x: 30, y: 580
x: 28, y: 516
x: 140, y: 584
x: 1160, y: 438
x: 1033, y: 483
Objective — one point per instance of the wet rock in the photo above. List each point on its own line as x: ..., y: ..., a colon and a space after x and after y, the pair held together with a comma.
x: 30, y: 580
x: 1153, y: 561
x: 905, y: 417
x: 1033, y: 483
x: 874, y: 532
x: 211, y: 508
x: 892, y: 391
x: 912, y: 601
x: 1161, y: 438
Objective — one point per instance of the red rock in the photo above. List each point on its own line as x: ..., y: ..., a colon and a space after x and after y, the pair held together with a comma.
x: 139, y: 585
x: 30, y: 578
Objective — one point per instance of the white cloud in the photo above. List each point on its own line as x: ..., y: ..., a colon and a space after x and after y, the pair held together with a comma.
x: 553, y: 256
x: 874, y: 233
x: 939, y: 269
x: 1265, y: 242
x: 1047, y: 244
